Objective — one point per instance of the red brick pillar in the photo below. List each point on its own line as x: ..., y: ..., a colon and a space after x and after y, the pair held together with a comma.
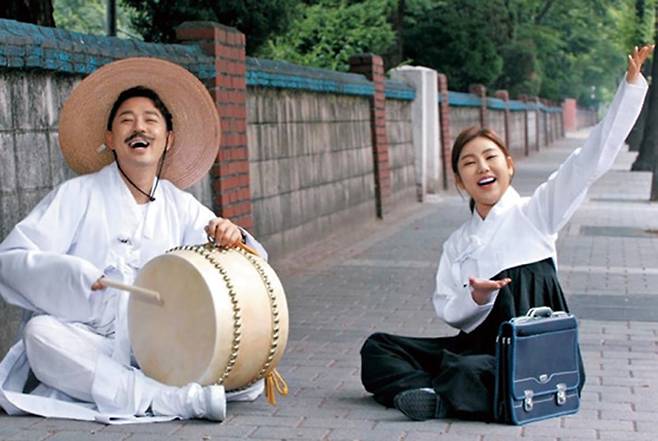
x: 538, y: 121
x: 547, y: 123
x: 526, y: 130
x: 480, y: 91
x: 230, y: 174
x: 504, y: 95
x: 372, y: 67
x: 569, y: 115
x: 444, y: 124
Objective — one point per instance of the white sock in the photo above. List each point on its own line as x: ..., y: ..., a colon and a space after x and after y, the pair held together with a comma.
x: 190, y: 401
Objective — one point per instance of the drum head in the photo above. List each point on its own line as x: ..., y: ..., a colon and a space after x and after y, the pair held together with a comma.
x: 168, y: 341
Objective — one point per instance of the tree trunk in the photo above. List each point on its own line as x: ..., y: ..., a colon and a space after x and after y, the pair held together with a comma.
x: 634, y: 139
x: 399, y: 25
x: 645, y: 159
x: 395, y: 55
x: 651, y: 130
x: 39, y: 12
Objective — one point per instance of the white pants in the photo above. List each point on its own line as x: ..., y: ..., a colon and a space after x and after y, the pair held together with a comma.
x: 73, y: 359
x: 65, y: 356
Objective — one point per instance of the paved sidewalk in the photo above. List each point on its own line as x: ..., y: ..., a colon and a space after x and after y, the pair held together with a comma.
x: 380, y: 278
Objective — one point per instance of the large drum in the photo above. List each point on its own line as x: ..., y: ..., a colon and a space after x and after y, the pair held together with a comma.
x: 223, y: 317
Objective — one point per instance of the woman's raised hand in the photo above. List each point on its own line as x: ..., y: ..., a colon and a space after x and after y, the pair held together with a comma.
x: 635, y: 61
x: 481, y: 289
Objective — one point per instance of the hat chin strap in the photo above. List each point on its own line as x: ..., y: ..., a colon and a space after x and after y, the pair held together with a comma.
x: 157, y: 181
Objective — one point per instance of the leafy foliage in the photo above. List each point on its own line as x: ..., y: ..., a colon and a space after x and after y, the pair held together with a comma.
x: 258, y: 19
x: 327, y: 32
x: 460, y: 39
x: 549, y: 48
x: 88, y: 16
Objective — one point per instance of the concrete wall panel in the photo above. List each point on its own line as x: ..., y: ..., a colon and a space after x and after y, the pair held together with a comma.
x: 497, y: 122
x: 462, y: 118
x: 309, y: 160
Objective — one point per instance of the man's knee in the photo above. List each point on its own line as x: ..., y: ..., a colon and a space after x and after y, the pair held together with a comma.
x: 38, y: 334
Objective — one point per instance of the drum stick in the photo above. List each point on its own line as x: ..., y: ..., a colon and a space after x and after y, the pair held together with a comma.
x: 248, y: 249
x: 241, y: 245
x: 147, y: 295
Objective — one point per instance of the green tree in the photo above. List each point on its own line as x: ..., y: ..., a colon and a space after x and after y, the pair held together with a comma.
x: 521, y: 73
x: 327, y: 32
x: 459, y: 38
x: 89, y: 16
x: 39, y: 12
x: 258, y: 19
x: 545, y: 47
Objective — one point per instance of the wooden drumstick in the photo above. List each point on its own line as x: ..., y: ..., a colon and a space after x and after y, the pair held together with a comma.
x: 147, y: 295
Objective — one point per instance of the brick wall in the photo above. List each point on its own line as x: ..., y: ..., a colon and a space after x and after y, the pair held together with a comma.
x: 517, y: 133
x: 497, y: 122
x: 230, y: 173
x: 401, y: 151
x: 372, y: 67
x: 311, y: 164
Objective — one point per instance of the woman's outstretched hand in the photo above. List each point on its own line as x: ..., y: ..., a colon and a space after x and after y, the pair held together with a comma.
x: 481, y: 289
x: 635, y: 61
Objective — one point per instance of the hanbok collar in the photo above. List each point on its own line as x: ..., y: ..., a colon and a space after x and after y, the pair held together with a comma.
x: 478, y: 231
x: 127, y: 200
x: 509, y: 199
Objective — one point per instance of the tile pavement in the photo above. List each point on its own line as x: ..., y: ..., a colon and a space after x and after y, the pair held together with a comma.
x: 380, y: 278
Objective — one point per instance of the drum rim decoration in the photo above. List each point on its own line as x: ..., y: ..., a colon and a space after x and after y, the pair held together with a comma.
x: 206, y: 251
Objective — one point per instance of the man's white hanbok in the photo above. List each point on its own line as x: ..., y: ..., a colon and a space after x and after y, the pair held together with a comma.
x: 75, y: 340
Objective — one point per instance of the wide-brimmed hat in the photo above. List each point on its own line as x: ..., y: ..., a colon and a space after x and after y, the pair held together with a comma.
x: 83, y: 119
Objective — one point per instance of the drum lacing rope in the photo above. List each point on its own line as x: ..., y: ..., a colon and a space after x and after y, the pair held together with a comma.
x: 274, y: 382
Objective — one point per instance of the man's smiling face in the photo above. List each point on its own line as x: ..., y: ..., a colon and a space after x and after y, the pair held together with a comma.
x: 139, y: 133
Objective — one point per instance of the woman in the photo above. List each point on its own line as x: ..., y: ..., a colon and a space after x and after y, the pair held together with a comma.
x: 496, y: 266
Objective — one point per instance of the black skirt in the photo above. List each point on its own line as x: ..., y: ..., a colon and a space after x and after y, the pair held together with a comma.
x: 460, y: 369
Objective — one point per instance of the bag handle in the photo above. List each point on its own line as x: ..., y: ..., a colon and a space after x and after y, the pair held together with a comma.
x: 540, y: 311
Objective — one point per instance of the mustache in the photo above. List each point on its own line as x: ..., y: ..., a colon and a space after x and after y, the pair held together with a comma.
x: 138, y: 134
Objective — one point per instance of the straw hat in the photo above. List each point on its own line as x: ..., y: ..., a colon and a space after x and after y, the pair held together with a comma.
x: 83, y: 119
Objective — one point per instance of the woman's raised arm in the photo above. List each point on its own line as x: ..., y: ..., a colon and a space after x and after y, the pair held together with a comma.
x: 555, y: 201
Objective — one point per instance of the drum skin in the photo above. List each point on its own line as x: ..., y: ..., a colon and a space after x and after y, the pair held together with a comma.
x: 224, y: 318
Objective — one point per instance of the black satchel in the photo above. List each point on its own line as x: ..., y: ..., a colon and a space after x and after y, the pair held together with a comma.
x: 537, y: 367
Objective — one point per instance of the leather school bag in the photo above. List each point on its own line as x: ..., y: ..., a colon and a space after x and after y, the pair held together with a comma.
x: 537, y: 367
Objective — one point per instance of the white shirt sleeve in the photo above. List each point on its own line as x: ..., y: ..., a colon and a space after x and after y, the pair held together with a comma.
x: 554, y: 202
x: 35, y: 272
x: 453, y: 302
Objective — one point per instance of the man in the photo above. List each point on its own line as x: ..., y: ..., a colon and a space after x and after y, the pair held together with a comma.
x: 158, y: 130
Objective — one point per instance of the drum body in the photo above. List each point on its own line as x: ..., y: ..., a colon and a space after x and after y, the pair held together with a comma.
x: 224, y: 318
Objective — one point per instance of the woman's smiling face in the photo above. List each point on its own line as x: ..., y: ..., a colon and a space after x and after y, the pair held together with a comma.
x: 485, y: 173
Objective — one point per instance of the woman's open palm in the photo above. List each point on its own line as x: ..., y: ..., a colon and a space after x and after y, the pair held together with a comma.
x: 635, y: 61
x: 481, y: 289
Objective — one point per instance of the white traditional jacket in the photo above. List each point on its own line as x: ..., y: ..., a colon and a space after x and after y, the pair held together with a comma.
x: 87, y: 227
x: 520, y: 230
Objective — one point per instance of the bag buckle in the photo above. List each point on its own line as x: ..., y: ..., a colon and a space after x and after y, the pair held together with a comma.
x: 527, y: 400
x: 561, y: 396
